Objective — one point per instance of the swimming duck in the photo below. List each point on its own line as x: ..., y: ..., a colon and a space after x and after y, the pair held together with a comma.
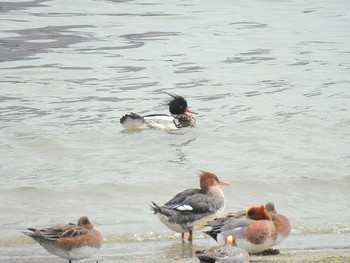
x: 179, y: 117
x: 72, y: 242
x: 191, y: 209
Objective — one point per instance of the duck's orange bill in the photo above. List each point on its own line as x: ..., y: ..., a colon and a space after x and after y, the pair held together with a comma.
x: 223, y: 184
x: 189, y: 111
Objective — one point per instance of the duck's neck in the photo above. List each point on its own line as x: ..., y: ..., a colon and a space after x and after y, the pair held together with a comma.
x: 89, y: 226
x: 215, y: 192
x: 218, y: 196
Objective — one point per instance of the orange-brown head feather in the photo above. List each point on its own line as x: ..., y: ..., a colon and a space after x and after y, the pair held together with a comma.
x: 208, y: 180
x: 258, y: 213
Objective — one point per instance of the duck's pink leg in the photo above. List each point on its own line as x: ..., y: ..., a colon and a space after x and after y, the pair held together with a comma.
x: 183, y: 236
x: 190, y: 237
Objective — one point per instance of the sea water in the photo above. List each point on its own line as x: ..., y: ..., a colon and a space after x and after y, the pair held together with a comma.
x: 269, y: 79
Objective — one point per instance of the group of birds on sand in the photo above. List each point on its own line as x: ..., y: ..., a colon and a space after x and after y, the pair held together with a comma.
x: 253, y: 231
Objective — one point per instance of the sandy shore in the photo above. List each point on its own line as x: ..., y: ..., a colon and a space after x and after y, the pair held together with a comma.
x: 325, y: 256
x: 335, y: 256
x: 298, y: 248
x: 307, y: 256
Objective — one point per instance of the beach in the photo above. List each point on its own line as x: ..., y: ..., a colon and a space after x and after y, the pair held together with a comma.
x: 307, y: 256
x: 270, y: 83
x: 166, y: 251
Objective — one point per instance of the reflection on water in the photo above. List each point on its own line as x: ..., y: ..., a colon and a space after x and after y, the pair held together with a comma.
x: 180, y: 153
x: 268, y: 78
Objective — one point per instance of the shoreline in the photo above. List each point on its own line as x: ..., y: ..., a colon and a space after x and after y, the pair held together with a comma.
x: 110, y: 254
x: 298, y: 248
x: 336, y: 255
x: 310, y: 256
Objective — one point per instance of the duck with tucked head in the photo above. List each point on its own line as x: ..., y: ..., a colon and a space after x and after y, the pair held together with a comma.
x: 191, y: 209
x: 72, y: 242
x: 254, y: 230
x: 282, y: 225
x: 228, y: 253
x: 180, y: 117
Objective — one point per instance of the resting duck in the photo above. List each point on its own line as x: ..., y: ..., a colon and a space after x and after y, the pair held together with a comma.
x: 228, y: 253
x: 191, y: 209
x: 179, y: 118
x: 255, y: 231
x: 282, y: 225
x: 72, y: 242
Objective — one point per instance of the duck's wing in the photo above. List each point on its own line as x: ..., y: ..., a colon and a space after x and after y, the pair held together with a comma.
x: 228, y: 225
x: 218, y: 253
x: 182, y: 196
x: 58, y: 232
x: 192, y: 201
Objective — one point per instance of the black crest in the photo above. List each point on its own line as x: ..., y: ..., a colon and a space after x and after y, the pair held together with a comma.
x: 178, y: 105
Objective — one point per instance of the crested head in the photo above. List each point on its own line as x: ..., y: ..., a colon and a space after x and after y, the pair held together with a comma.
x: 208, y: 180
x: 177, y: 105
x: 85, y: 222
x: 258, y: 213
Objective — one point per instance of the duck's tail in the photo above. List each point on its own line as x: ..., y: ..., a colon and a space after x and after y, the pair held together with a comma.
x: 132, y: 121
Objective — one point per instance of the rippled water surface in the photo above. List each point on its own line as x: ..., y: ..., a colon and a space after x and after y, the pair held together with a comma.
x: 270, y: 80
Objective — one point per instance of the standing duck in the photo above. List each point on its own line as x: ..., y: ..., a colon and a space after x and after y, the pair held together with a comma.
x: 179, y: 117
x: 191, y: 209
x: 228, y: 253
x: 72, y: 242
x: 254, y: 231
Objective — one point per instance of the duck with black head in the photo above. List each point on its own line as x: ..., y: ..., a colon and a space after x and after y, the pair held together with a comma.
x: 180, y: 117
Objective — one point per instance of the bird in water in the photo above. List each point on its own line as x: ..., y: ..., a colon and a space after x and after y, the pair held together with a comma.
x: 72, y: 242
x: 191, y: 209
x: 180, y: 117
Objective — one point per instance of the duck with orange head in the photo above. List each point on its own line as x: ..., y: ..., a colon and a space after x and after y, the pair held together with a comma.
x: 191, y: 209
x: 256, y: 230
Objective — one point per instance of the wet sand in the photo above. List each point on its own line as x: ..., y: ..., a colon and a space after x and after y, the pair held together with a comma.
x: 334, y: 256
x: 166, y: 251
x: 307, y: 256
x: 297, y: 248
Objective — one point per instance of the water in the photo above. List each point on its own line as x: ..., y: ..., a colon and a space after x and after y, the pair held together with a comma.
x: 270, y: 80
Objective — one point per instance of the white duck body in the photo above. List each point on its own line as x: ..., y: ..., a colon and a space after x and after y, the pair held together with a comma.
x: 179, y: 118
